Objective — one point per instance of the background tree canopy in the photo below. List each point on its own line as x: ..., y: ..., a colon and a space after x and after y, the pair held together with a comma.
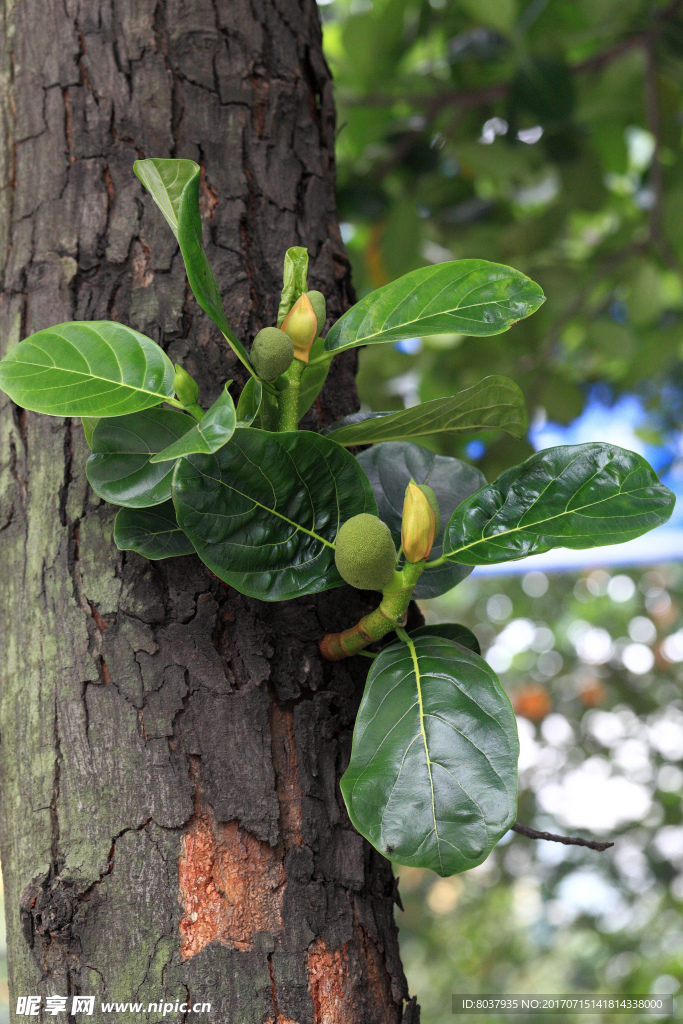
x: 545, y: 135
x: 542, y: 135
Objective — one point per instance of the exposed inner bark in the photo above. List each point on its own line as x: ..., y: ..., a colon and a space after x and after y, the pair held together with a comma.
x: 171, y: 824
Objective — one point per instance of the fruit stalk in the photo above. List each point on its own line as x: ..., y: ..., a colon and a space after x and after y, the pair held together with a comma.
x: 288, y: 398
x: 391, y: 612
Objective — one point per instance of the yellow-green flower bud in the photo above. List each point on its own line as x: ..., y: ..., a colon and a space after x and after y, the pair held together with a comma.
x: 317, y: 300
x: 185, y: 387
x: 271, y: 353
x: 418, y: 526
x: 301, y: 324
x: 365, y: 554
x: 434, y: 505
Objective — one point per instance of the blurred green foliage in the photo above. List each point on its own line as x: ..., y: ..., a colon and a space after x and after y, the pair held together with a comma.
x: 542, y: 135
x: 593, y: 663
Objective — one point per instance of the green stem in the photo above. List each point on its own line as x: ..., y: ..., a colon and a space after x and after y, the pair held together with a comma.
x: 391, y: 613
x: 195, y: 410
x: 288, y: 398
x: 437, y: 561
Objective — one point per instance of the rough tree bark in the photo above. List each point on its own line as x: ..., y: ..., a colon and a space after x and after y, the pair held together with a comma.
x: 171, y: 822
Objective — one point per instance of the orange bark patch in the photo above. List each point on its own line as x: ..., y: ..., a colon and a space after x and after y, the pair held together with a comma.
x: 231, y: 886
x: 142, y: 275
x: 328, y: 978
x: 283, y: 743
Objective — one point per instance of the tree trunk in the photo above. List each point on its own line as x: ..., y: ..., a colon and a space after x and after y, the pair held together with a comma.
x: 172, y: 829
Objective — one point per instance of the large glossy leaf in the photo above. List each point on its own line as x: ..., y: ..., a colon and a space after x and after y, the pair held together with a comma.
x: 174, y: 187
x: 575, y: 496
x: 294, y: 279
x: 389, y: 467
x: 90, y: 369
x: 494, y: 403
x: 264, y: 511
x: 463, y: 297
x: 120, y: 468
x: 152, y: 532
x: 213, y: 430
x: 432, y: 781
x: 450, y: 631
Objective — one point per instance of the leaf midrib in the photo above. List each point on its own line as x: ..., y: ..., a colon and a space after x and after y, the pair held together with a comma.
x: 88, y: 376
x: 248, y: 497
x: 518, y: 529
x: 416, y: 668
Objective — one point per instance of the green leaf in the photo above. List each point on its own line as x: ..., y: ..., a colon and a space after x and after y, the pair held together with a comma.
x: 249, y: 402
x: 214, y: 429
x: 575, y: 496
x: 269, y: 412
x: 294, y: 278
x: 151, y: 532
x: 450, y: 631
x: 89, y: 369
x: 390, y: 467
x: 121, y: 468
x: 264, y: 511
x: 89, y: 424
x: 432, y: 781
x: 174, y: 187
x: 313, y: 377
x: 166, y: 180
x: 494, y: 403
x: 463, y: 297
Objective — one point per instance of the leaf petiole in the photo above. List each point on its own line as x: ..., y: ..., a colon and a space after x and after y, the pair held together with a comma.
x: 235, y: 346
x: 436, y: 562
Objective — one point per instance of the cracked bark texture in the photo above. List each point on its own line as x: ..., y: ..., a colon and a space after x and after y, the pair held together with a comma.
x: 171, y: 824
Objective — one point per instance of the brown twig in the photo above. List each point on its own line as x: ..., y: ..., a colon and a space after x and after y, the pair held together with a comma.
x: 532, y: 833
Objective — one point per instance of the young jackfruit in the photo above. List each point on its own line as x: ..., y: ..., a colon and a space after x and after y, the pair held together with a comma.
x: 317, y: 300
x: 433, y: 503
x: 365, y: 554
x: 271, y: 353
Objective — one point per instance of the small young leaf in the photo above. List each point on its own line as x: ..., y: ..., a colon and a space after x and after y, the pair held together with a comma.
x: 269, y: 412
x: 463, y: 297
x: 390, y: 467
x: 120, y: 468
x: 174, y: 187
x: 264, y: 511
x: 574, y: 496
x: 214, y: 429
x: 294, y: 278
x: 90, y: 369
x: 450, y: 631
x: 494, y: 403
x: 89, y: 424
x: 152, y: 532
x: 249, y: 402
x: 432, y: 781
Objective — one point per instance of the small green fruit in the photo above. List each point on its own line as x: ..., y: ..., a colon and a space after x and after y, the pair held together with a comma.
x: 317, y: 300
x: 433, y: 503
x: 365, y: 554
x: 271, y: 353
